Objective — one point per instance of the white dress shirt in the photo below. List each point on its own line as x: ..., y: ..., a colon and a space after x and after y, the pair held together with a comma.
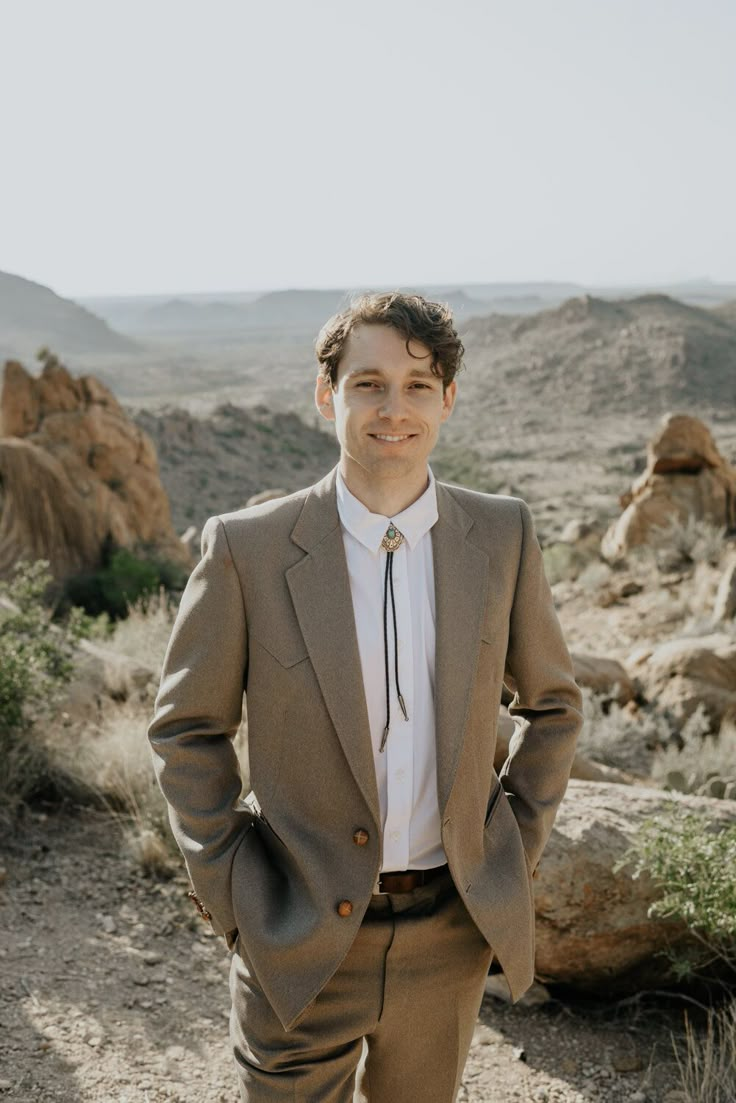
x: 406, y: 770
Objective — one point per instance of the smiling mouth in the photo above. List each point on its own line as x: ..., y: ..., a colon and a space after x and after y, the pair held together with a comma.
x: 391, y: 439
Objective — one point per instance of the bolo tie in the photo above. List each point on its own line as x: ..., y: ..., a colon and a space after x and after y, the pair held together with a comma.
x: 391, y: 542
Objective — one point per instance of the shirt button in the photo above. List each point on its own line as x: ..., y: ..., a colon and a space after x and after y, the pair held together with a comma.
x: 394, y: 835
x: 400, y: 774
x: 360, y: 837
x: 345, y: 908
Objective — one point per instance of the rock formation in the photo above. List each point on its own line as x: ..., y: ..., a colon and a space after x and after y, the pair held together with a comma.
x: 685, y: 476
x: 76, y: 474
x: 593, y: 931
x: 680, y: 674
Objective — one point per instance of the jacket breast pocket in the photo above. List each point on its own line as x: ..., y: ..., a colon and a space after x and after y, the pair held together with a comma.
x: 288, y: 650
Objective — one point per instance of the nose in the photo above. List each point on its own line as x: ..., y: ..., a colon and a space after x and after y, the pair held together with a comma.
x: 392, y: 405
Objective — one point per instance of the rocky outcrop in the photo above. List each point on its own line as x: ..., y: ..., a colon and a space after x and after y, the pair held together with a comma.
x: 76, y: 474
x: 686, y: 476
x: 606, y: 677
x: 593, y: 932
x: 680, y: 674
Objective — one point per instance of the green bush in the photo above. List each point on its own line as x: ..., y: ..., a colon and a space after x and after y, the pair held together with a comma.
x: 35, y: 661
x: 124, y: 579
x: 691, y: 860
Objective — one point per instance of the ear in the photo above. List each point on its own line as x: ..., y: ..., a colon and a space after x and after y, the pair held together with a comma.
x: 323, y: 398
x: 448, y: 400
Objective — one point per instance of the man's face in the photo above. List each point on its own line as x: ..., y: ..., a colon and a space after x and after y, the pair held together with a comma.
x: 387, y: 406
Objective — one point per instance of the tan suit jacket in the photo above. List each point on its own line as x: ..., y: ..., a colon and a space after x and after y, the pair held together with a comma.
x: 268, y: 611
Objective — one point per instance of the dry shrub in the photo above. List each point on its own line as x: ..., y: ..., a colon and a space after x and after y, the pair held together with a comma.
x: 701, y: 763
x: 680, y: 544
x: 565, y: 562
x: 144, y: 633
x: 707, y: 1060
x: 616, y: 737
x: 113, y: 760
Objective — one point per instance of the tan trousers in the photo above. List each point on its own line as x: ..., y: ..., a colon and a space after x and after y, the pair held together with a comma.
x: 393, y: 1025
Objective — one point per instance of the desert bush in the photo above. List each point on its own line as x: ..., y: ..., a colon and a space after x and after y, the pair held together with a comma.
x: 114, y: 762
x: 616, y: 737
x: 700, y: 763
x: 680, y: 543
x: 595, y: 576
x: 144, y: 633
x: 124, y: 579
x: 35, y: 662
x: 564, y: 562
x: 691, y: 859
x: 111, y: 761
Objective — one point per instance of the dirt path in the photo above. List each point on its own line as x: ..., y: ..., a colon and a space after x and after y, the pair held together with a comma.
x: 112, y: 992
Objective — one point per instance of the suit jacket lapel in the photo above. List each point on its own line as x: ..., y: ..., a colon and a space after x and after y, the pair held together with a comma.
x: 320, y: 589
x: 461, y: 585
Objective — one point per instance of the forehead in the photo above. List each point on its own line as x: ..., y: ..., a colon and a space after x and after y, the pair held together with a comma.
x: 378, y: 347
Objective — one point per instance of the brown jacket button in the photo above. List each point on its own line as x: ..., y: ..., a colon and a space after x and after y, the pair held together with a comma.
x: 345, y: 908
x: 360, y: 838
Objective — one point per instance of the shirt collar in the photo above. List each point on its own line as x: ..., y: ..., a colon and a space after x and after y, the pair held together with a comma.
x: 369, y: 529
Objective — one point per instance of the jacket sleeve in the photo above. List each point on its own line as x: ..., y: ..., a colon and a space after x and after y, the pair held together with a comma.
x: 547, y: 704
x: 196, y: 715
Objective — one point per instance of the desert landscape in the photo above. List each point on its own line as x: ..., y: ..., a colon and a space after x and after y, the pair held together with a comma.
x: 125, y: 424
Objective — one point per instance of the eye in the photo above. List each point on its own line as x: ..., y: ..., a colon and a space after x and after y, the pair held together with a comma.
x: 366, y: 383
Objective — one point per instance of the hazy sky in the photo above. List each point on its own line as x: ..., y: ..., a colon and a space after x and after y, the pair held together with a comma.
x: 168, y: 145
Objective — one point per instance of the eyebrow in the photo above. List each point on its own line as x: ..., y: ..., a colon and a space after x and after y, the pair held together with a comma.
x: 415, y: 373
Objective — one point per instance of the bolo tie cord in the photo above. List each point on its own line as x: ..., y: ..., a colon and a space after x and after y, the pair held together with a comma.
x: 391, y: 541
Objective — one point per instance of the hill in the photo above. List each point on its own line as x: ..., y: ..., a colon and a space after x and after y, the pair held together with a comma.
x: 32, y: 316
x: 213, y: 465
x: 593, y: 357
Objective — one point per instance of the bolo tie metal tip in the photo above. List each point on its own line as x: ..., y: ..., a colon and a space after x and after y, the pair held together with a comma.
x: 403, y: 707
x: 384, y: 738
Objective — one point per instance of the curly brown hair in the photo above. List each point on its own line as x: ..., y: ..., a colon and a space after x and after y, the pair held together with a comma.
x: 413, y: 316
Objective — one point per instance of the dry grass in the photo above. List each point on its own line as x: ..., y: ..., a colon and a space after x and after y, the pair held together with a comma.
x: 111, y: 760
x: 144, y: 633
x: 707, y: 1061
x: 615, y: 737
x: 701, y: 763
x: 680, y: 544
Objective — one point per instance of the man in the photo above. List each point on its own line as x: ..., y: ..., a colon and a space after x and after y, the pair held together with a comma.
x: 379, y: 861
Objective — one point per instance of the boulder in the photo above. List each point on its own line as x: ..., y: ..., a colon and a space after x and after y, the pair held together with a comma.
x: 593, y: 933
x: 76, y: 474
x: 682, y: 673
x: 118, y: 675
x: 606, y: 677
x: 686, y: 476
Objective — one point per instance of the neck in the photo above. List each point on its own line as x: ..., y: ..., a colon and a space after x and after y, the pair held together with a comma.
x: 386, y: 497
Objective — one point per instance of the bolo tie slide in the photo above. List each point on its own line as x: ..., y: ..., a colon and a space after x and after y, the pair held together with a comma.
x: 391, y: 542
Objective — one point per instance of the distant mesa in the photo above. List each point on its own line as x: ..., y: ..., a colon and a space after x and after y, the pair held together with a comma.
x: 686, y: 476
x: 75, y: 474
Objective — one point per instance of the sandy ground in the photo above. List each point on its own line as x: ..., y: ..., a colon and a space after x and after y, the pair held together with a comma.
x: 113, y: 990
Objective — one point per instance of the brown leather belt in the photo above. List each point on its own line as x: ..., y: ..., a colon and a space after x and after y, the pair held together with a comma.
x: 408, y: 879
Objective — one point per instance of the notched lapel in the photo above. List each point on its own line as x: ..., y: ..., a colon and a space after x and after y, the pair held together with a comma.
x: 461, y: 586
x: 320, y: 590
